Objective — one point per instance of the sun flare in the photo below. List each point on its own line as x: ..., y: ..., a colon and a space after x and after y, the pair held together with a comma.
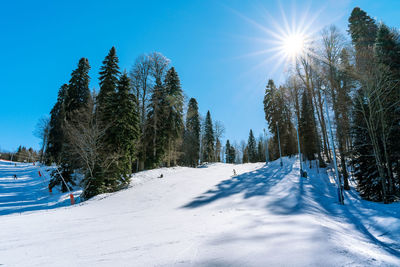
x: 293, y: 45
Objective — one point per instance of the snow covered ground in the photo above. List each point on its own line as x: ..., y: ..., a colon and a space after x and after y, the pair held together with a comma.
x: 265, y: 216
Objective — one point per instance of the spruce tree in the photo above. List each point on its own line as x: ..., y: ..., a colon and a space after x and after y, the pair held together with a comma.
x: 365, y: 172
x: 306, y: 126
x: 229, y: 153
x: 232, y: 154
x: 191, y: 142
x: 277, y: 112
x: 78, y: 93
x: 76, y: 100
x: 109, y: 73
x: 56, y: 134
x: 208, y: 141
x: 156, y: 132
x: 124, y: 130
x: 174, y: 122
x: 252, y: 147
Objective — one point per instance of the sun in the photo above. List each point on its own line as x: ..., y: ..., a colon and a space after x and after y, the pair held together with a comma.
x: 293, y: 45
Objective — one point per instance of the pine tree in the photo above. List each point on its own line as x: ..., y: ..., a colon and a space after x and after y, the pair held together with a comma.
x: 56, y: 135
x: 260, y: 151
x: 252, y: 147
x: 192, y: 134
x: 174, y: 123
x: 109, y: 73
x: 76, y: 100
x: 277, y: 112
x: 208, y: 142
x: 230, y: 153
x: 387, y: 52
x: 124, y: 130
x: 377, y: 100
x: 365, y: 172
x: 245, y: 158
x: 156, y: 132
x: 306, y: 126
x: 363, y: 30
x: 78, y: 93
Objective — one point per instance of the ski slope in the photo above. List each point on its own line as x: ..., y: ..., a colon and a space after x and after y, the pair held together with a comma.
x: 30, y: 190
x: 265, y: 216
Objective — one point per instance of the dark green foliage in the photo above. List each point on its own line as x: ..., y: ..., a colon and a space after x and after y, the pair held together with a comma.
x: 376, y: 116
x: 261, y: 151
x: 174, y: 123
x: 56, y: 134
x: 230, y: 153
x: 191, y: 142
x: 124, y: 132
x: 245, y: 158
x: 208, y: 140
x: 156, y: 132
x: 306, y: 128
x: 365, y: 170
x: 109, y: 73
x: 278, y: 114
x: 78, y: 92
x: 252, y: 148
x: 362, y: 28
x: 75, y: 101
x: 56, y: 180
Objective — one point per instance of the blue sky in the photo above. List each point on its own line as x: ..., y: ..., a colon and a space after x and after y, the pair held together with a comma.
x: 214, y: 45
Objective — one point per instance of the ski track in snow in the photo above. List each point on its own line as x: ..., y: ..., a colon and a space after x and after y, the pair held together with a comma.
x: 266, y: 215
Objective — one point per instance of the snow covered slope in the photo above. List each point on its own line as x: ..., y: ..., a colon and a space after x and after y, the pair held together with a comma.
x: 265, y: 216
x: 29, y: 191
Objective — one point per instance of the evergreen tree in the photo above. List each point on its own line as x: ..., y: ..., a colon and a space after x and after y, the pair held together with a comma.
x: 363, y: 30
x: 174, y: 122
x: 277, y: 112
x: 245, y: 158
x: 387, y: 53
x: 306, y: 126
x: 76, y: 101
x: 208, y: 142
x: 192, y: 134
x: 252, y: 147
x: 230, y: 153
x: 56, y: 135
x: 78, y: 93
x: 365, y: 172
x: 109, y: 73
x: 156, y: 132
x: 124, y: 132
x: 260, y: 151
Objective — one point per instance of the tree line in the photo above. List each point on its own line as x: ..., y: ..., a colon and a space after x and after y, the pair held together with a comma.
x: 136, y: 121
x: 359, y: 82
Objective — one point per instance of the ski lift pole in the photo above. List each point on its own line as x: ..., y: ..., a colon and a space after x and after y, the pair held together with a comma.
x: 340, y: 191
x: 71, y: 196
x: 279, y: 143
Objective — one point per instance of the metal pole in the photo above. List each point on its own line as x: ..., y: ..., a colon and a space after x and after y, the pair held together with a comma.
x: 341, y: 200
x: 279, y: 143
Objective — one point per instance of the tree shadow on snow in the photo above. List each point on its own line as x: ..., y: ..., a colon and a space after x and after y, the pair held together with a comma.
x: 250, y: 184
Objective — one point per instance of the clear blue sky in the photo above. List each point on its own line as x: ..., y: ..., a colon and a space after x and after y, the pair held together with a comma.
x: 212, y: 44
